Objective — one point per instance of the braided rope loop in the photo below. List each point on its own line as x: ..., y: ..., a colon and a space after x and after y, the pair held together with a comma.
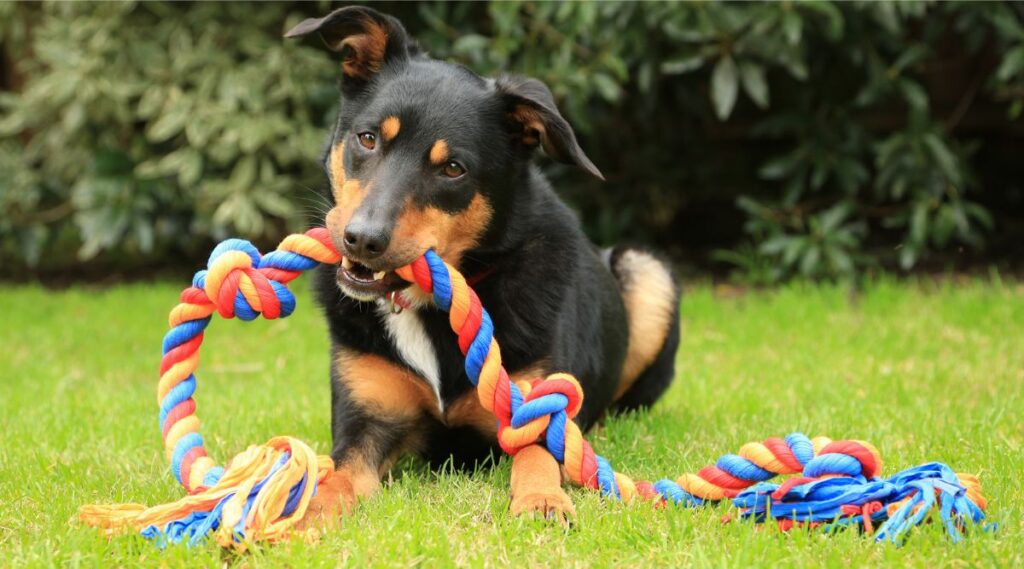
x: 237, y: 281
x: 264, y: 491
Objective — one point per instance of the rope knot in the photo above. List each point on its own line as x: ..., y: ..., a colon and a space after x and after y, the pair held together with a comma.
x: 547, y: 403
x: 845, y: 458
x: 240, y: 282
x: 557, y: 385
x: 237, y: 284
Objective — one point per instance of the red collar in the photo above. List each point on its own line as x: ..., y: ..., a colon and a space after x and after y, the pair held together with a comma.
x: 474, y: 279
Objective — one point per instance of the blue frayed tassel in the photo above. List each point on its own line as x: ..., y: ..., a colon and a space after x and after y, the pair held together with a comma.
x: 928, y: 488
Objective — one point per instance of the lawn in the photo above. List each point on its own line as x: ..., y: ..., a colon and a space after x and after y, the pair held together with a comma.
x: 925, y: 371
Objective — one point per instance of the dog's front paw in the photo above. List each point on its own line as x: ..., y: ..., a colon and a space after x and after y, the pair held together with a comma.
x: 551, y: 505
x: 334, y: 497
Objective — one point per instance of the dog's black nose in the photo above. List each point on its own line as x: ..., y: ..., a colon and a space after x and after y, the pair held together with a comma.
x: 365, y: 241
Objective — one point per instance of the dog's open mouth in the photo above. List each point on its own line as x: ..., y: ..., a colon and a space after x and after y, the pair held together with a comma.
x: 365, y: 281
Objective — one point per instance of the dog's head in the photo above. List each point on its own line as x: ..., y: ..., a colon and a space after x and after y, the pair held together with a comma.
x: 425, y: 154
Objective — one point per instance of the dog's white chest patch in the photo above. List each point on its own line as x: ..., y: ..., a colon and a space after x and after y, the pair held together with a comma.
x: 410, y: 339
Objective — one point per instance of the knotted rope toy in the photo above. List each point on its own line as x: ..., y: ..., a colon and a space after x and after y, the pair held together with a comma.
x: 264, y: 491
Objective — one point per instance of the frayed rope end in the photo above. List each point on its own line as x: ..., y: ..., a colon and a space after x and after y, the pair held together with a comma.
x: 262, y: 495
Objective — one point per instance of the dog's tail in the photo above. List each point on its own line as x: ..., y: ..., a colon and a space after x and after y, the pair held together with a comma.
x: 651, y: 295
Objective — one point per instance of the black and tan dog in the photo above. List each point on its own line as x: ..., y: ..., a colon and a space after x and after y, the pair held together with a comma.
x: 427, y: 154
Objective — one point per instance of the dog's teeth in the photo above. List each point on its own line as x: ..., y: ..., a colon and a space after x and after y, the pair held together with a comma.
x: 346, y: 262
x: 379, y: 275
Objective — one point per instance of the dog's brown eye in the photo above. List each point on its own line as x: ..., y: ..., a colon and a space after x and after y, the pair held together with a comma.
x: 368, y: 140
x: 453, y: 169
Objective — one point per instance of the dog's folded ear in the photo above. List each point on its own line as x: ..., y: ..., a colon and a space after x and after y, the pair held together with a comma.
x: 535, y: 120
x: 366, y: 39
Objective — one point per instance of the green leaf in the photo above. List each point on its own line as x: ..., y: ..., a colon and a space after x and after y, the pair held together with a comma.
x: 839, y: 260
x: 775, y: 245
x: 944, y: 157
x: 1012, y: 64
x: 190, y: 169
x: 645, y: 77
x: 908, y: 257
x: 792, y: 26
x: 754, y: 83
x: 779, y: 168
x: 199, y: 130
x: 607, y: 87
x: 910, y: 55
x: 724, y: 87
x: 914, y: 94
x: 680, y: 65
x: 798, y: 69
x: 272, y: 202
x: 168, y: 125
x: 919, y: 223
x: 151, y: 101
x: 144, y: 235
x: 244, y: 174
x: 470, y: 44
x: 818, y: 175
x: 980, y: 215
x: 831, y: 12
x: 833, y: 217
x: 810, y: 261
x: 793, y: 249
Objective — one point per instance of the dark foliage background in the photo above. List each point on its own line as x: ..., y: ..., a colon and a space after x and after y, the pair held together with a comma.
x: 817, y: 139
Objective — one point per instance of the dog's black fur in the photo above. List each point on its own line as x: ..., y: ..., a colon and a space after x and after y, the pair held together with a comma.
x: 556, y: 303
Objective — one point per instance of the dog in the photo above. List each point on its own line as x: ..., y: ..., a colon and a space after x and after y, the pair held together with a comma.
x: 429, y: 155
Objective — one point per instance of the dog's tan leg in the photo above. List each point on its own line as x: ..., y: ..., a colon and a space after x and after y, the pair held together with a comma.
x: 537, y: 486
x: 376, y: 424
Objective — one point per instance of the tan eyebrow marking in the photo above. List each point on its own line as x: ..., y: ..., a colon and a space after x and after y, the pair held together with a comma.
x: 439, y: 151
x: 389, y: 128
x: 338, y: 166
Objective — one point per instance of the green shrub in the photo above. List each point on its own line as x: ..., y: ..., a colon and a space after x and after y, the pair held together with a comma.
x: 830, y: 125
x: 157, y: 124
x: 843, y: 194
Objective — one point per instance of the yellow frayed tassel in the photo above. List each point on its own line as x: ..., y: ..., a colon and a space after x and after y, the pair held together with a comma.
x: 264, y: 519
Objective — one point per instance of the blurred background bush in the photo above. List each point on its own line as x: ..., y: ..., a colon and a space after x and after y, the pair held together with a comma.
x: 815, y: 139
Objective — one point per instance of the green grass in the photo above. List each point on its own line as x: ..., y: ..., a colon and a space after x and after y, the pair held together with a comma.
x: 924, y: 371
